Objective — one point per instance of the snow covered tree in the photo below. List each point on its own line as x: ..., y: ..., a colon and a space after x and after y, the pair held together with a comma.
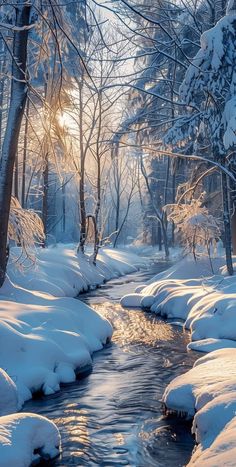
x: 209, y: 91
x: 198, y: 229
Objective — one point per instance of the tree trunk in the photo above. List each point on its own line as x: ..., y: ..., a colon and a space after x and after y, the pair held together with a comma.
x: 2, y: 89
x: 165, y: 239
x: 16, y: 177
x: 45, y: 198
x: 173, y: 201
x: 82, y: 175
x: 227, y: 227
x: 25, y: 155
x: 233, y: 229
x: 159, y: 236
x: 63, y: 207
x: 233, y: 201
x: 15, y: 114
x: 97, y: 234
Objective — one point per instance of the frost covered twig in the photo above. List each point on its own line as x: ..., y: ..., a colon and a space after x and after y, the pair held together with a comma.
x: 25, y: 228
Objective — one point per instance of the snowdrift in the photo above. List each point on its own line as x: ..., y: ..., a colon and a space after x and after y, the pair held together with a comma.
x: 209, y: 392
x: 46, y: 338
x: 27, y: 438
x: 188, y: 291
x: 206, y: 304
x: 61, y: 272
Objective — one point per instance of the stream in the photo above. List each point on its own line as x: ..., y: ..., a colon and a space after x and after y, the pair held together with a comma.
x: 113, y: 415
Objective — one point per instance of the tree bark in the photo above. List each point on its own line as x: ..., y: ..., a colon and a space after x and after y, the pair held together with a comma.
x: 159, y: 236
x: 25, y: 155
x: 2, y: 90
x: 16, y: 177
x: 82, y: 175
x: 16, y: 110
x: 227, y: 226
x: 97, y: 234
x: 45, y: 197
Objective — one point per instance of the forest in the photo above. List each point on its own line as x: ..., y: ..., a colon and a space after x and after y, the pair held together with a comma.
x: 118, y: 233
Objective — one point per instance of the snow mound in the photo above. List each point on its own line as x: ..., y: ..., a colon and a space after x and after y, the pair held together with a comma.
x: 190, y: 391
x: 27, y: 438
x: 208, y: 392
x: 188, y: 268
x: 61, y: 272
x: 206, y: 304
x: 222, y: 452
x: 45, y: 340
x: 209, y: 345
x: 46, y: 336
x: 8, y: 394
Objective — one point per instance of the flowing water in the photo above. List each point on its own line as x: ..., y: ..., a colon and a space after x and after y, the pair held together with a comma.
x: 113, y: 416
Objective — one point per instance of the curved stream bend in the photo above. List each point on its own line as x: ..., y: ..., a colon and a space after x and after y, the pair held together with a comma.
x: 113, y: 417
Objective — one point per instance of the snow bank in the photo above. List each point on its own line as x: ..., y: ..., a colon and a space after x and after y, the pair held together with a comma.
x: 24, y: 438
x: 59, y: 271
x: 222, y: 452
x: 207, y: 306
x: 209, y: 392
x: 211, y: 374
x: 8, y: 394
x: 47, y: 337
x: 44, y: 340
x: 189, y: 292
x: 27, y: 438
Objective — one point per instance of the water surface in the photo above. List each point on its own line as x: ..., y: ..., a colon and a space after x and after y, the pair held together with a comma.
x: 113, y: 416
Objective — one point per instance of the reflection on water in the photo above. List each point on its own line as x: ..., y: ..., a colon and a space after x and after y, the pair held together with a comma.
x: 132, y: 327
x: 113, y: 417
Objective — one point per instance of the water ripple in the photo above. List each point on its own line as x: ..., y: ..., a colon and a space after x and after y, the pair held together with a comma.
x: 113, y: 416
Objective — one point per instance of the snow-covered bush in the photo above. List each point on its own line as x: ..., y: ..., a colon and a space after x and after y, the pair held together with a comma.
x: 25, y: 228
x: 197, y: 228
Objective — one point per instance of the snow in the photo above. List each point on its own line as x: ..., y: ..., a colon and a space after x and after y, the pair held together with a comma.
x: 27, y: 438
x: 208, y: 393
x: 8, y: 394
x: 211, y: 72
x: 188, y: 291
x: 44, y: 340
x: 222, y: 452
x: 208, y: 345
x: 206, y: 304
x: 47, y: 337
x: 61, y: 272
x: 210, y: 374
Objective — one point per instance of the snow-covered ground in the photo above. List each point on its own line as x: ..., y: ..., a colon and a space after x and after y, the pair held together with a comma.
x: 206, y: 305
x: 27, y: 438
x: 46, y: 337
x: 209, y: 392
x: 59, y: 271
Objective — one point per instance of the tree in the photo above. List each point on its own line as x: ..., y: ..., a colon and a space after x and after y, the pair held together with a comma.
x: 16, y: 110
x: 209, y: 92
x: 198, y: 229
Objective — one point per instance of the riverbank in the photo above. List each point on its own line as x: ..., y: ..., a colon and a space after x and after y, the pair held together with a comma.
x: 206, y: 305
x: 107, y: 417
x: 47, y: 337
